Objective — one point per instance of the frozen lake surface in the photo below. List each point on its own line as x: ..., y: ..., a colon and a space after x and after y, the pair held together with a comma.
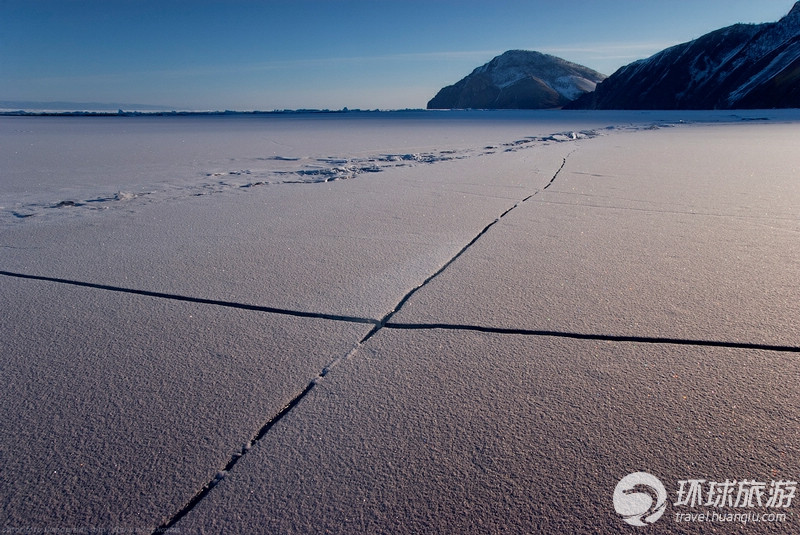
x: 413, y: 322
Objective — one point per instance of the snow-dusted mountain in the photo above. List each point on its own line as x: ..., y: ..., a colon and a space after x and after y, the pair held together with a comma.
x: 519, y: 79
x: 740, y: 66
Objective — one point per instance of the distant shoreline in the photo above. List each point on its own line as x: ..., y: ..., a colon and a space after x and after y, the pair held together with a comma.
x: 174, y: 113
x: 326, y: 112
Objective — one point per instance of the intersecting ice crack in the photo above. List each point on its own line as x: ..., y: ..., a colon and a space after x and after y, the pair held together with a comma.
x: 447, y: 264
x: 378, y: 325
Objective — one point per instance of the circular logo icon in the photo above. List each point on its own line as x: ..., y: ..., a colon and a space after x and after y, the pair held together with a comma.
x: 640, y: 498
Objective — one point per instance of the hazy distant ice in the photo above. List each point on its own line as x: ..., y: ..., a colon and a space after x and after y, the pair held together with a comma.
x: 57, y: 167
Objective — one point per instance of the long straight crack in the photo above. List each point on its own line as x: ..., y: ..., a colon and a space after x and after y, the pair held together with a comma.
x: 190, y: 299
x: 591, y: 336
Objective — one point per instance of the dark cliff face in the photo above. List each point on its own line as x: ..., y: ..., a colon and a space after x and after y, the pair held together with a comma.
x: 740, y: 66
x: 518, y: 79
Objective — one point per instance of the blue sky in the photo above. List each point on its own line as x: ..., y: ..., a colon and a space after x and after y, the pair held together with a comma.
x: 245, y: 55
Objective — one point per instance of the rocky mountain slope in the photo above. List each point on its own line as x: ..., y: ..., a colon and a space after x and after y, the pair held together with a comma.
x: 740, y: 66
x: 519, y: 79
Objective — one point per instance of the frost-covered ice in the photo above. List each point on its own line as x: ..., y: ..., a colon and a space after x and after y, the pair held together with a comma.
x: 400, y: 323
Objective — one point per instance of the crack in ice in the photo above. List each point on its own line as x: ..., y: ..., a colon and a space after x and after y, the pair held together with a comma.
x: 591, y: 336
x: 203, y: 492
x: 447, y: 264
x: 190, y: 299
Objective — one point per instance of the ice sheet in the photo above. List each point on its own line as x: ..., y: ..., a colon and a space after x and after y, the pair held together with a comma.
x: 146, y: 342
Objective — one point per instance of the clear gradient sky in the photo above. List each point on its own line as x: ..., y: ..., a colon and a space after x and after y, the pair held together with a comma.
x: 388, y: 54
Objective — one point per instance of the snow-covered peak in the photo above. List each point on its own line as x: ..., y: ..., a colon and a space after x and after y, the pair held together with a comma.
x: 519, y: 79
x: 515, y: 65
x: 740, y: 66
